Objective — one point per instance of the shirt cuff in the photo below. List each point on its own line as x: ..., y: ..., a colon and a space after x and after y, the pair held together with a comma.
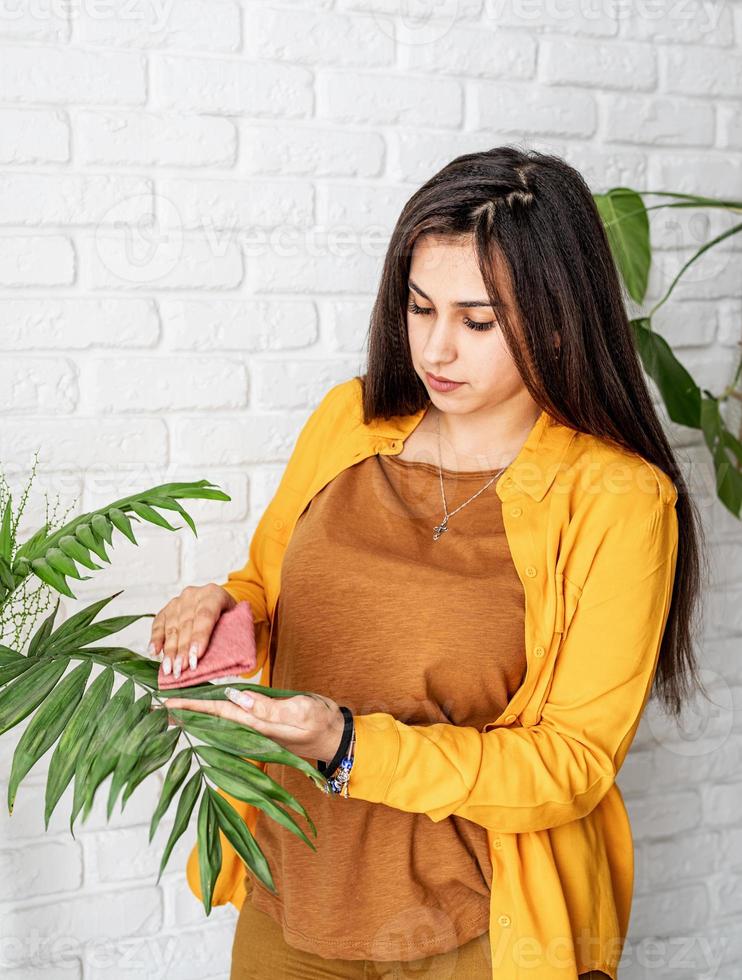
x: 374, y: 757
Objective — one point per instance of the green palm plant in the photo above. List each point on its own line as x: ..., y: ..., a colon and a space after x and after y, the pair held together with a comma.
x: 100, y: 732
x: 626, y: 220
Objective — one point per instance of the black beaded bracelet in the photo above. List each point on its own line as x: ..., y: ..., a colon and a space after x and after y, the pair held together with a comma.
x: 327, y: 769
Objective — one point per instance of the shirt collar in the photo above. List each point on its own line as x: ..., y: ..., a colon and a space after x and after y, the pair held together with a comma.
x: 533, y: 470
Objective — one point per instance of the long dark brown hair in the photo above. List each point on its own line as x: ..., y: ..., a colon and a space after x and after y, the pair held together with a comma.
x: 535, y: 214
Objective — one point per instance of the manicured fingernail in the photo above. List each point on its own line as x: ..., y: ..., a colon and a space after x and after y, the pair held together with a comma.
x: 242, y: 698
x: 166, y: 665
x: 192, y: 658
x: 151, y: 650
x: 176, y: 668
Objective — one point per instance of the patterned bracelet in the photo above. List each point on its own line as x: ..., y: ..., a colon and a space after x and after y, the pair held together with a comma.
x: 337, y: 771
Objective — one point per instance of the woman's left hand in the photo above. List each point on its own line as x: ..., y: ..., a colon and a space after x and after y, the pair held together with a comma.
x: 309, y: 725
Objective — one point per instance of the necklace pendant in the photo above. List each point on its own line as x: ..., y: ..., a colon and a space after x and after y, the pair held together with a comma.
x: 440, y: 528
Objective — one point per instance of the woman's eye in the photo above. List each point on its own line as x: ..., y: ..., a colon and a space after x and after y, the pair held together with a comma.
x: 414, y: 308
x: 472, y: 324
x: 475, y: 325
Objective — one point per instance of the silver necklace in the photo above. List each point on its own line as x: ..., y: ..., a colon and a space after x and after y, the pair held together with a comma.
x: 443, y: 526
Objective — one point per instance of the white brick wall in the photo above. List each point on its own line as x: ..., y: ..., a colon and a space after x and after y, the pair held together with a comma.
x: 275, y: 143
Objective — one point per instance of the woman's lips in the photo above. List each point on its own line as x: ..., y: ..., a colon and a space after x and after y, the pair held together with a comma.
x: 442, y: 385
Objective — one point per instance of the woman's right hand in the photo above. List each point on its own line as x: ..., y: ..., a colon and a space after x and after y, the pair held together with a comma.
x: 181, y: 630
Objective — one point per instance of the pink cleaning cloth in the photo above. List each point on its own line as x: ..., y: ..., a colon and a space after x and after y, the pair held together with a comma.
x: 231, y: 651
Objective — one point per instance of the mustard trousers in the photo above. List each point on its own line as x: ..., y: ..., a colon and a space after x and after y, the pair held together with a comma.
x: 259, y: 952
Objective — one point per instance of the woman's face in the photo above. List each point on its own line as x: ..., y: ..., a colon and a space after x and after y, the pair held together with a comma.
x: 460, y: 342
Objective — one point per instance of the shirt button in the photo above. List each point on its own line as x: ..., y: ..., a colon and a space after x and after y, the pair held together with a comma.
x: 497, y: 842
x: 504, y: 920
x: 278, y: 524
x: 530, y: 571
x: 509, y: 718
x: 516, y: 511
x: 539, y: 651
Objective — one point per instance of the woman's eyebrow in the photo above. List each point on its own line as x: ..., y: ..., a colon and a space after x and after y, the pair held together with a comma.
x: 461, y: 304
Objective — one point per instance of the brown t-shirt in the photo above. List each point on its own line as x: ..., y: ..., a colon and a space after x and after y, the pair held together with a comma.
x: 380, y: 617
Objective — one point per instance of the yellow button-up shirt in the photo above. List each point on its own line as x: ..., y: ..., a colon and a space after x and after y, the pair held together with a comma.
x: 593, y: 534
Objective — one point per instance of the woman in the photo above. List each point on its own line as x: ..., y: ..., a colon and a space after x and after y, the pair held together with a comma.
x: 486, y: 557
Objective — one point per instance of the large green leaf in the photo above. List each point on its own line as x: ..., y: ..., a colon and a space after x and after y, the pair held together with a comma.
x: 106, y: 722
x: 728, y: 475
x: 680, y: 393
x: 626, y: 223
x: 242, y: 741
x: 241, y: 791
x: 257, y: 780
x: 46, y: 726
x: 76, y: 736
x: 19, y: 698
x: 242, y: 840
x: 110, y: 753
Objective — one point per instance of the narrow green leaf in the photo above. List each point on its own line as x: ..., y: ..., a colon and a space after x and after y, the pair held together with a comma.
x: 34, y: 546
x: 158, y: 753
x: 165, y: 504
x: 64, y: 564
x: 46, y: 726
x: 7, y: 578
x: 75, y: 549
x: 84, y: 533
x: 175, y: 775
x: 6, y: 531
x: 42, y: 634
x: 209, y: 849
x: 259, y: 781
x: 186, y: 802
x: 82, y: 618
x: 242, y: 840
x: 241, y: 791
x: 121, y: 521
x: 26, y: 692
x: 87, y: 633
x: 12, y: 670
x: 134, y: 747
x: 74, y: 739
x: 102, y: 527
x: 146, y: 512
x: 9, y: 656
x: 43, y: 570
x: 242, y: 741
x: 106, y: 722
x: 107, y: 758
x: 728, y: 476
